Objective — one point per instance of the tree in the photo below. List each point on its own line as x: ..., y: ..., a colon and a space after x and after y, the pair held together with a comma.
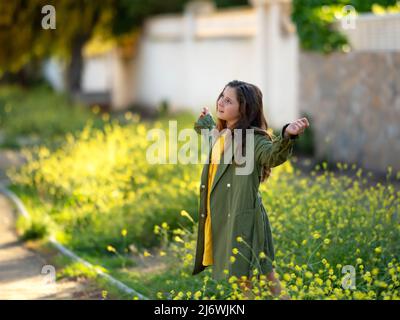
x: 23, y: 39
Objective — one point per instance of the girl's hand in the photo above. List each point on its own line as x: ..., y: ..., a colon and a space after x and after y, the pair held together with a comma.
x: 297, y: 127
x: 204, y: 111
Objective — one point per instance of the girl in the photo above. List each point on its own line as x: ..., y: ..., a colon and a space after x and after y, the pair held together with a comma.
x: 234, y: 234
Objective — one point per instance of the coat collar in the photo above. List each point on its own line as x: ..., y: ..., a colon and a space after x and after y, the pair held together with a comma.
x: 222, y: 166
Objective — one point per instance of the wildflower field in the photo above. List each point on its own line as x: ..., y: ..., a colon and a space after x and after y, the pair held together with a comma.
x: 335, y: 237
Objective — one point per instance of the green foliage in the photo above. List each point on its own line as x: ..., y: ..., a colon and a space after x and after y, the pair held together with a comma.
x: 230, y: 3
x: 131, y: 14
x: 84, y: 190
x: 39, y: 116
x: 32, y: 229
x: 314, y: 18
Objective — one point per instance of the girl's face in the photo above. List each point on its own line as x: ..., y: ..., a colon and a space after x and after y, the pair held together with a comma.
x: 228, y: 106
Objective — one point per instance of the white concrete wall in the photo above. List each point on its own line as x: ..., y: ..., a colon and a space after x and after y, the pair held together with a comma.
x: 188, y: 59
x: 97, y: 73
x: 371, y: 32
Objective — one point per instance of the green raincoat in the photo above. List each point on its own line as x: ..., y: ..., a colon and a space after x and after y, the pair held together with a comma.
x: 237, y: 209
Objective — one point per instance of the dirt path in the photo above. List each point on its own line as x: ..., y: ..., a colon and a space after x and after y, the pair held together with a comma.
x: 24, y: 272
x: 21, y: 268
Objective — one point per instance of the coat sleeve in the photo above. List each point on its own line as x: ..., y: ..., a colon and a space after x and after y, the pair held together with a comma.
x: 275, y: 152
x: 205, y: 122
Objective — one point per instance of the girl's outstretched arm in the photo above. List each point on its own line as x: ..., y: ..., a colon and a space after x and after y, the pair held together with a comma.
x: 205, y: 121
x: 275, y: 152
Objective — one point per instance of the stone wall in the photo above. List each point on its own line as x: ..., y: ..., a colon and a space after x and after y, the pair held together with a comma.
x: 353, y: 100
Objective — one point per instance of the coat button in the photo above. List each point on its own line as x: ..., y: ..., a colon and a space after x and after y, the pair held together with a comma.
x: 228, y: 185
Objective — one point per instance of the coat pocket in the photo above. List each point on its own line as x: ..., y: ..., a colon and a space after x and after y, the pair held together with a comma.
x: 243, y: 228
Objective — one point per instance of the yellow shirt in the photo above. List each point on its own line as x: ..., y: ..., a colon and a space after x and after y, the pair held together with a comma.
x: 216, y: 153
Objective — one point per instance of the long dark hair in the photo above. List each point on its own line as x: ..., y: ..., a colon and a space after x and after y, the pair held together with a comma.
x: 251, y: 113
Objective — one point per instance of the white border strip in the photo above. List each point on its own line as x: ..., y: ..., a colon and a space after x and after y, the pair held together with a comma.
x: 22, y: 210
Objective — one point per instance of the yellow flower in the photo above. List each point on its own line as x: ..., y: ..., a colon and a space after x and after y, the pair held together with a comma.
x: 96, y: 109
x: 164, y: 225
x: 239, y: 239
x: 124, y: 232
x: 262, y: 255
x: 378, y: 250
x: 327, y: 241
x: 146, y: 253
x: 111, y: 249
x: 197, y: 295
x: 316, y: 235
x: 235, y: 251
x: 232, y: 259
x: 178, y: 231
x: 286, y: 277
x: 162, y: 253
x: 184, y: 213
x: 179, y: 239
x: 128, y: 115
x: 156, y: 229
x: 380, y: 283
x: 308, y: 274
x: 188, y: 256
x: 105, y: 117
x: 359, y: 260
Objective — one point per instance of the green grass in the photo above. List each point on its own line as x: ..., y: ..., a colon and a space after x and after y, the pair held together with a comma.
x: 39, y: 115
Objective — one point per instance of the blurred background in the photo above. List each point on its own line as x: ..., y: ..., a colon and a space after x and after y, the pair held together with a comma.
x: 82, y: 82
x: 334, y: 61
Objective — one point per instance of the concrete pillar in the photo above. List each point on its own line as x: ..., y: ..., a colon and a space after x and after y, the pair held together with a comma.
x: 192, y: 9
x: 276, y: 46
